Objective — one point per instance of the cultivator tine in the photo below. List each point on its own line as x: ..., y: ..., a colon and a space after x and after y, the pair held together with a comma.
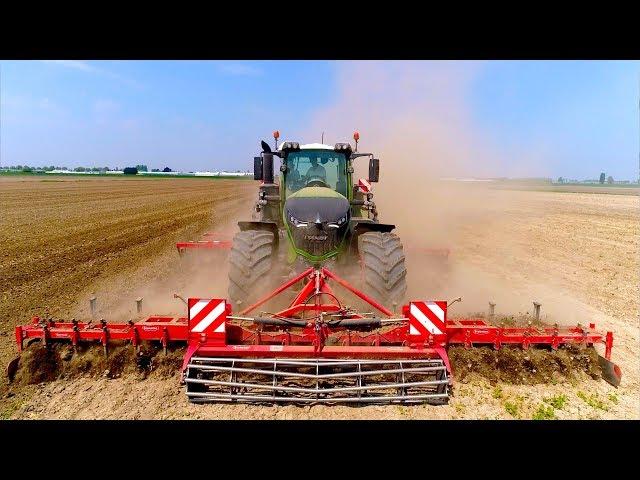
x: 611, y: 372
x: 536, y: 309
x: 92, y: 306
x: 105, y: 337
x: 12, y: 368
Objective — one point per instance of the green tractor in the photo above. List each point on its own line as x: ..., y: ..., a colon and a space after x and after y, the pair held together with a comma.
x: 315, y: 215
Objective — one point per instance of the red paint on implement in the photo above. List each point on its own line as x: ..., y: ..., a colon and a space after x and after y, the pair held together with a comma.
x: 319, y: 337
x: 364, y: 186
x: 211, y: 240
x: 204, y: 312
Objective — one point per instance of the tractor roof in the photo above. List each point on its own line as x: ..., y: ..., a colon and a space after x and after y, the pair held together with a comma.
x: 312, y: 146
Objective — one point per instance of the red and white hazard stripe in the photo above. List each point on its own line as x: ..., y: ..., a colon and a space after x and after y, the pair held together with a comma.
x: 426, y: 318
x: 206, y: 315
x: 364, y: 185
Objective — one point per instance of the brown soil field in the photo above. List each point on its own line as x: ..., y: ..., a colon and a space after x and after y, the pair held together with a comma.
x: 576, y: 253
x: 574, y: 188
x: 61, y: 237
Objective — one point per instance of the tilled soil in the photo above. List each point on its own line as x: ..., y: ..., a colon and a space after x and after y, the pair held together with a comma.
x: 62, y: 238
x: 60, y: 362
x: 524, y: 367
x: 575, y: 253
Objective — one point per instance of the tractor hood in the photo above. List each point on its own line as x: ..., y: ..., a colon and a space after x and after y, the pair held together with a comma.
x: 316, y: 205
x: 317, y: 219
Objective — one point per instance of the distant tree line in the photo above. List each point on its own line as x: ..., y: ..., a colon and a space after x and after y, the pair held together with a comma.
x: 28, y: 169
x: 609, y: 178
x: 601, y: 180
x: 128, y: 170
x: 91, y: 169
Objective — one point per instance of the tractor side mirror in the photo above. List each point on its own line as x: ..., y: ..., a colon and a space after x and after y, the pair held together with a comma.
x: 374, y: 169
x: 267, y: 168
x: 257, y: 168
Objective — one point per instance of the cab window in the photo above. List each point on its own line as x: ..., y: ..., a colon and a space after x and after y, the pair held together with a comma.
x: 316, y: 168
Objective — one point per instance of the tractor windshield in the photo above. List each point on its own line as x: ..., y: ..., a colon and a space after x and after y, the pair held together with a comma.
x: 324, y: 168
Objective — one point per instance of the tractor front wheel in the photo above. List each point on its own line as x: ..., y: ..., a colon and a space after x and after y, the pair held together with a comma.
x: 250, y: 266
x: 383, y: 267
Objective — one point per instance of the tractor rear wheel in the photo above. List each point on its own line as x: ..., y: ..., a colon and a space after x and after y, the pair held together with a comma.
x: 250, y: 265
x: 383, y: 267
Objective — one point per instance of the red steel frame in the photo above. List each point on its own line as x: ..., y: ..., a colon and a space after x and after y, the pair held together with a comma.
x: 161, y: 329
x: 219, y: 241
x: 317, y: 338
x: 211, y: 240
x: 318, y: 282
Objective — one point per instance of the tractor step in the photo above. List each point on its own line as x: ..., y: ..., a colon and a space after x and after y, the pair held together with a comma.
x: 316, y: 380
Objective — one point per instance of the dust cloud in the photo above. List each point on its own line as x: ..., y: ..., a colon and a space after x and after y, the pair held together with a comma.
x: 197, y: 274
x: 417, y: 118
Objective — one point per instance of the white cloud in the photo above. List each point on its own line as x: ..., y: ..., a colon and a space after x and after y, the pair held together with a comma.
x: 237, y: 68
x: 30, y: 103
x: 77, y: 64
x: 87, y: 67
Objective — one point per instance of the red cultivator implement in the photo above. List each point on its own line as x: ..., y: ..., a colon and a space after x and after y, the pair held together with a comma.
x: 317, y: 349
x: 221, y: 242
x: 210, y: 240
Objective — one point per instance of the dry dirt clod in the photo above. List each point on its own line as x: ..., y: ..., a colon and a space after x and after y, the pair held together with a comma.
x: 511, y: 366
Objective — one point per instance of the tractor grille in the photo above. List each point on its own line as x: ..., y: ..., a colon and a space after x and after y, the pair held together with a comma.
x: 315, y: 241
x: 316, y: 380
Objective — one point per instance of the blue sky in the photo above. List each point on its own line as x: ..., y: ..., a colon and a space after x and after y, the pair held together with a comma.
x: 569, y: 118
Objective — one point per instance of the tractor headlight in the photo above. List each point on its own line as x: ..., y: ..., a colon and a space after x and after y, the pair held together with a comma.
x: 342, y: 147
x: 339, y: 223
x: 297, y: 223
x: 290, y: 146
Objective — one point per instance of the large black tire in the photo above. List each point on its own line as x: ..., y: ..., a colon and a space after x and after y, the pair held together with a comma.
x: 250, y: 263
x: 383, y: 267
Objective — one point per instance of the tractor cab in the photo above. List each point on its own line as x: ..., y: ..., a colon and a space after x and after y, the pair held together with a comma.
x: 315, y: 198
x: 315, y: 165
